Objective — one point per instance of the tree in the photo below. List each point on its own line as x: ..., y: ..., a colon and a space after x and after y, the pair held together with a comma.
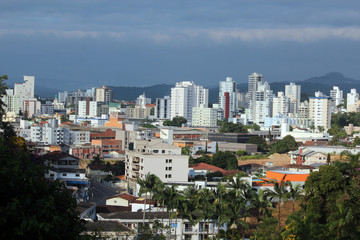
x: 226, y: 160
x: 176, y: 121
x: 285, y: 145
x: 31, y: 206
x: 280, y: 193
x: 294, y: 194
x: 260, y: 142
x: 229, y: 127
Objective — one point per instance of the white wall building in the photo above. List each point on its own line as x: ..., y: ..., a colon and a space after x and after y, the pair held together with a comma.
x: 31, y: 107
x: 281, y: 104
x: 155, y: 157
x: 228, y: 86
x: 293, y: 92
x: 25, y: 90
x: 337, y: 97
x: 186, y: 95
x: 320, y: 110
x: 87, y: 109
x: 351, y: 98
x: 103, y: 94
x: 261, y: 101
x: 162, y: 109
x: 204, y: 116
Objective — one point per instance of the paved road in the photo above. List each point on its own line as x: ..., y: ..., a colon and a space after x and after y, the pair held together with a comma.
x: 99, y: 192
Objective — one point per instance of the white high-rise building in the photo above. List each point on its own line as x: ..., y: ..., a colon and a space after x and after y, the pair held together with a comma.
x: 293, y: 92
x: 337, y: 97
x: 87, y: 108
x: 228, y: 86
x: 320, y: 110
x: 142, y: 100
x: 25, y: 90
x: 11, y: 101
x: 260, y: 99
x: 32, y: 107
x: 281, y: 104
x: 204, y: 116
x: 103, y: 94
x: 162, y: 109
x: 255, y: 80
x: 351, y: 98
x: 186, y: 95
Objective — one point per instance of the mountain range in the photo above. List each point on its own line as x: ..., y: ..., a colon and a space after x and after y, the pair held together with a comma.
x: 308, y: 87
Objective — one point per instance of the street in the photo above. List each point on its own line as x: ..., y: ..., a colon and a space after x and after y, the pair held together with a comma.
x: 98, y: 192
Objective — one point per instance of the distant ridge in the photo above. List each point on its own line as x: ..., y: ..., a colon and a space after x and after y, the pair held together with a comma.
x: 308, y: 88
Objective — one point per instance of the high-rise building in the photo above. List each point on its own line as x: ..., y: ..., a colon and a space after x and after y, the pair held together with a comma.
x: 255, y: 80
x: 281, y: 104
x: 204, y: 116
x: 228, y: 102
x: 32, y: 107
x: 351, y: 98
x: 293, y: 92
x: 25, y: 90
x: 186, y: 95
x: 337, y: 95
x: 260, y: 99
x: 320, y: 110
x: 103, y: 94
x: 162, y: 109
x: 142, y: 100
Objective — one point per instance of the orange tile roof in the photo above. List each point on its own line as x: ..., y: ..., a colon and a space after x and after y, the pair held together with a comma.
x: 205, y: 166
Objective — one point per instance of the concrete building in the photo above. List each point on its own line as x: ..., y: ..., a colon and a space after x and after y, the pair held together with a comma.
x: 261, y: 102
x: 352, y: 98
x: 293, y: 92
x: 12, y: 102
x: 142, y: 100
x: 228, y: 97
x: 337, y: 97
x: 204, y: 116
x: 320, y: 110
x: 162, y: 109
x: 155, y: 157
x: 31, y: 107
x: 281, y: 104
x: 25, y: 90
x: 186, y: 95
x: 47, y: 108
x: 103, y: 94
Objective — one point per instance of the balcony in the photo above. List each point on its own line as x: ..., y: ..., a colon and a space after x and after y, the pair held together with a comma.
x: 136, y: 168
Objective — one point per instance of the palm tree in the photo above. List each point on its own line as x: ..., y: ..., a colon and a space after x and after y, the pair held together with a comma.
x: 219, y: 196
x: 189, y: 206
x: 294, y: 193
x: 234, y: 211
x: 207, y: 207
x: 172, y: 201
x: 262, y: 203
x: 280, y: 192
x: 147, y: 185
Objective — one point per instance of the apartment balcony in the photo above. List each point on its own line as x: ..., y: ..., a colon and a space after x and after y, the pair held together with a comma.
x: 135, y: 175
x: 136, y: 168
x: 136, y: 160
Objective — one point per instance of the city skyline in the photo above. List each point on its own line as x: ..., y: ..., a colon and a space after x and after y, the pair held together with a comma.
x: 69, y: 45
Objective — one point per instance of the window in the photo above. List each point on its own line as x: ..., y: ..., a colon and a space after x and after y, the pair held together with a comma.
x: 77, y: 175
x: 167, y: 160
x: 163, y: 151
x: 64, y: 174
x: 156, y: 151
x: 51, y: 175
x: 170, y: 168
x: 170, y: 160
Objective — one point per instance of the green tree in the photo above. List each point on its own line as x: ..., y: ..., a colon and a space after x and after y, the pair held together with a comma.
x: 226, y: 160
x: 260, y: 142
x: 229, y: 127
x: 294, y: 194
x: 280, y: 193
x: 176, y: 121
x: 285, y: 145
x: 31, y: 206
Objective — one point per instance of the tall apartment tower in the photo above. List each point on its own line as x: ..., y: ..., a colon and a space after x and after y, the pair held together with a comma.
x: 103, y: 94
x: 260, y: 99
x: 351, y: 98
x: 25, y: 90
x: 281, y: 104
x: 228, y: 102
x: 293, y: 92
x: 320, y: 110
x: 186, y: 95
x: 162, y: 109
x: 337, y: 97
x: 255, y: 80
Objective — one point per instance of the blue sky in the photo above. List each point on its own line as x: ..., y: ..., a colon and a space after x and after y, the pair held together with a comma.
x: 72, y: 44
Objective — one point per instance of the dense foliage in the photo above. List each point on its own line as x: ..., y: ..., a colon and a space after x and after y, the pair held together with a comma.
x: 31, y: 207
x: 285, y: 145
x: 176, y: 122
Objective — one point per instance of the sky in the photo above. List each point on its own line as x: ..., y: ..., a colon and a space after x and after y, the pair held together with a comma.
x: 71, y: 44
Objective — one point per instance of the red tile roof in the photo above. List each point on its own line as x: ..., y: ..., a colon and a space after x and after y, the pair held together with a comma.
x: 205, y: 166
x: 57, y: 155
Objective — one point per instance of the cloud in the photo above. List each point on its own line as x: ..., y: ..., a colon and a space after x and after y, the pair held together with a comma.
x: 307, y: 34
